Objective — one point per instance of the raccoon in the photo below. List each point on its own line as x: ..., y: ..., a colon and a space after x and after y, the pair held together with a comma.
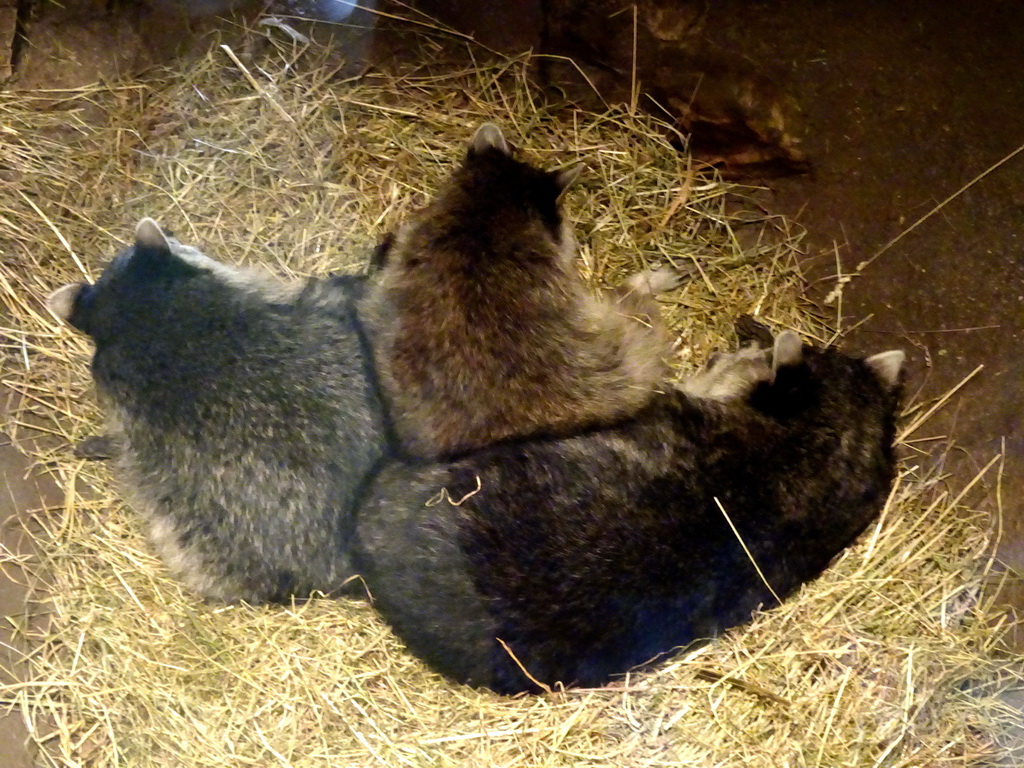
x: 482, y: 328
x: 243, y: 417
x: 574, y: 560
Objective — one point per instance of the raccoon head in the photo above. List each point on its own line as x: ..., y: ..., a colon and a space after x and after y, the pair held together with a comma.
x: 132, y: 276
x: 801, y: 376
x: 492, y: 207
x: 788, y: 352
x: 491, y: 168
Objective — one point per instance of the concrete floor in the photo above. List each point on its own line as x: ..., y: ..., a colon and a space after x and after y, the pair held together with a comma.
x: 906, y: 103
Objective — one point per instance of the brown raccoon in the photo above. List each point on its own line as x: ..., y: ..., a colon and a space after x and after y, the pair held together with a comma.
x: 482, y: 327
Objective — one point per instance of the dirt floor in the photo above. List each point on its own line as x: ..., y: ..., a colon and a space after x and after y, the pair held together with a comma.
x: 20, y: 492
x: 904, y: 104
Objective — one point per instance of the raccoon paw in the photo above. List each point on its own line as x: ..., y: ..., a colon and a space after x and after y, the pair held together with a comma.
x: 655, y: 281
x: 731, y: 376
x: 750, y: 330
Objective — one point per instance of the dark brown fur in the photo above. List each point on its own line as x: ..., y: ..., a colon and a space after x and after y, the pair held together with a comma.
x: 482, y: 327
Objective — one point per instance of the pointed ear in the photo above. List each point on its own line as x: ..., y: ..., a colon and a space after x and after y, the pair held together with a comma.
x: 787, y: 350
x: 62, y: 301
x: 149, y: 235
x: 887, y: 366
x: 566, y: 178
x: 489, y: 136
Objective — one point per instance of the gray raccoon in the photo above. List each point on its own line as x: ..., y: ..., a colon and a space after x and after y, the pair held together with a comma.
x: 481, y: 326
x: 244, y: 416
x: 588, y: 556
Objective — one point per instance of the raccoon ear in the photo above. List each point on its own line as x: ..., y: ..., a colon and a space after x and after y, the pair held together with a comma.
x: 887, y: 366
x: 62, y: 301
x: 787, y: 350
x: 149, y: 235
x: 489, y: 136
x: 565, y: 179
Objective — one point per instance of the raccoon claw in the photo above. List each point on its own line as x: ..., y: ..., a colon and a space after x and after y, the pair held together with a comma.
x: 98, y: 448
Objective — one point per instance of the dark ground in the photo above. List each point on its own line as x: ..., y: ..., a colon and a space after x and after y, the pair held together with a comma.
x: 20, y: 493
x: 904, y: 103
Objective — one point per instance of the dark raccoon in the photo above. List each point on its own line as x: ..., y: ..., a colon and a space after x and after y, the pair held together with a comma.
x: 482, y: 327
x: 591, y: 555
x: 242, y: 416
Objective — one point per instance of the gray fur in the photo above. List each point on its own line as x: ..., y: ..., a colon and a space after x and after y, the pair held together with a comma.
x: 242, y: 416
x: 149, y: 234
x: 888, y: 365
x: 61, y: 302
x: 727, y: 377
x: 786, y: 351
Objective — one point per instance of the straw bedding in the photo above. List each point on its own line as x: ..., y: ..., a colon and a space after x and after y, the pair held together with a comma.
x: 889, y: 659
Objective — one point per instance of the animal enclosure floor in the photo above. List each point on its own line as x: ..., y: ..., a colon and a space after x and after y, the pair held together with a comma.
x: 903, y: 106
x: 20, y: 491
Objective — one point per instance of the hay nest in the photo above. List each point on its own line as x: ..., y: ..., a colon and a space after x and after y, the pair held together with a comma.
x: 886, y: 660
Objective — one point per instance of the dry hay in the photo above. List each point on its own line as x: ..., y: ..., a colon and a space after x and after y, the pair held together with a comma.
x: 298, y: 169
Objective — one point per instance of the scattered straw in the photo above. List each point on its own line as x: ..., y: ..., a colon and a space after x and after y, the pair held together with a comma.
x: 837, y: 293
x: 889, y: 659
x: 746, y: 550
x: 917, y: 422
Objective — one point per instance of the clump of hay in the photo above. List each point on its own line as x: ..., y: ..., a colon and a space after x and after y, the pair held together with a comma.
x: 886, y: 660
